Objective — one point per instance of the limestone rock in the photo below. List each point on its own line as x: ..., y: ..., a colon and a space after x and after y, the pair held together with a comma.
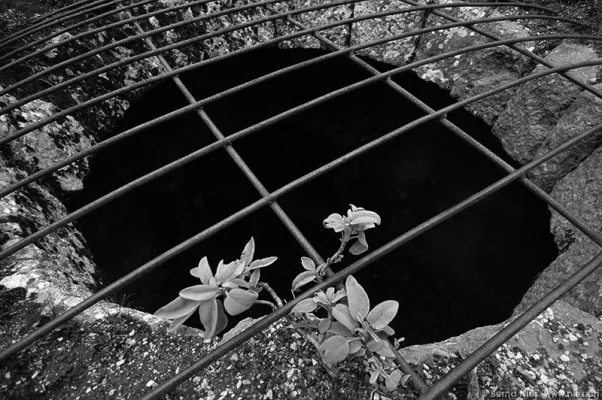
x: 581, y: 193
x: 584, y: 114
x: 537, y: 106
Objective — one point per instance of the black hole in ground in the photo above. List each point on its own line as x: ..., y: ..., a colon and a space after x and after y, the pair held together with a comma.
x: 470, y: 271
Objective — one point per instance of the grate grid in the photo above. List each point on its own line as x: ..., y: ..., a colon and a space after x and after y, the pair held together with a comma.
x: 84, y: 7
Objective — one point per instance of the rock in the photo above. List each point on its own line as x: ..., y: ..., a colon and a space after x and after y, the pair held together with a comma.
x: 537, y: 106
x: 584, y: 114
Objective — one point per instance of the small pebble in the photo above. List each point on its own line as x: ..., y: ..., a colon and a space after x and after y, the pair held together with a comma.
x: 564, y: 358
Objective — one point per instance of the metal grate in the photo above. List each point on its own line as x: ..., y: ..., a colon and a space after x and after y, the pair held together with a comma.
x: 89, y: 14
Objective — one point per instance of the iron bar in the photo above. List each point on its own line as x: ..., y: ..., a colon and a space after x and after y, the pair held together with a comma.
x: 240, y: 163
x: 210, y: 35
x: 157, y: 261
x: 536, y: 190
x: 266, y: 321
x: 99, y: 99
x: 445, y: 383
x: 61, y: 18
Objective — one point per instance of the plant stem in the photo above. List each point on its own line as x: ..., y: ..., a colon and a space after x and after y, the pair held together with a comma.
x: 272, y: 293
x: 267, y: 303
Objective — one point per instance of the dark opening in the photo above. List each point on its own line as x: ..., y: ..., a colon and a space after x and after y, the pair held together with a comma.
x: 470, y: 271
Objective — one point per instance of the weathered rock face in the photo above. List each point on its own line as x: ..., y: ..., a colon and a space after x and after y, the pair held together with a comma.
x: 57, y: 270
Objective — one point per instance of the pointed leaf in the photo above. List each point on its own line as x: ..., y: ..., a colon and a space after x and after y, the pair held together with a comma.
x: 238, y: 300
x: 254, y: 280
x: 339, y: 295
x: 381, y: 315
x: 335, y: 221
x: 324, y: 324
x: 303, y: 279
x: 308, y: 264
x: 341, y: 313
x: 222, y: 319
x: 373, y: 377
x: 321, y: 298
x: 248, y: 252
x: 263, y: 262
x: 305, y: 306
x: 177, y: 308
x: 225, y: 272
x: 199, y: 292
x: 387, y: 330
x: 334, y: 349
x: 359, y: 304
x: 360, y: 246
x: 339, y: 329
x: 179, y: 321
x: 203, y: 271
x: 239, y: 282
x: 208, y: 315
x: 230, y: 285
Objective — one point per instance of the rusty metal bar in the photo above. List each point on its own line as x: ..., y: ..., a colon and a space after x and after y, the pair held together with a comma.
x: 265, y: 322
x: 157, y: 261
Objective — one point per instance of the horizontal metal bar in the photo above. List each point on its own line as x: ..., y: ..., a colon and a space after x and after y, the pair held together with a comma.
x: 157, y: 261
x: 61, y: 18
x: 444, y: 384
x: 266, y: 321
x: 37, y: 175
x: 210, y: 35
x: 36, y: 125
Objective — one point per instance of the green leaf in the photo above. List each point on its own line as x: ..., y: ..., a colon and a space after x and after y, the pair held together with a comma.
x: 177, y: 308
x: 381, y: 315
x: 339, y: 329
x: 303, y: 279
x: 334, y: 349
x: 254, y: 279
x: 359, y: 303
x: 238, y: 300
x: 199, y: 292
x: 179, y: 321
x: 222, y: 319
x: 341, y: 313
x: 248, y: 252
x: 339, y: 295
x: 323, y: 325
x: 239, y: 282
x: 321, y: 298
x: 374, y: 377
x: 388, y: 331
x: 263, y: 262
x: 335, y: 221
x: 360, y: 246
x: 208, y: 315
x: 308, y: 264
x: 305, y: 306
x: 203, y: 271
x: 225, y: 272
x: 393, y: 380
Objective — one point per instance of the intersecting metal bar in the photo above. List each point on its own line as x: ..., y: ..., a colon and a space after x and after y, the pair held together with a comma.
x: 527, y: 53
x: 238, y: 160
x: 99, y: 99
x: 266, y: 321
x: 217, y: 33
x: 536, y: 190
x: 81, y: 3
x: 159, y: 260
x: 61, y: 18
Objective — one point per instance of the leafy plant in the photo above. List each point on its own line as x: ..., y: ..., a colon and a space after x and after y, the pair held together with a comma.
x: 235, y: 282
x: 340, y: 320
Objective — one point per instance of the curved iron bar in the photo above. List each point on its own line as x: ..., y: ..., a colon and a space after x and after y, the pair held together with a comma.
x: 81, y: 3
x: 213, y: 34
x: 99, y: 99
x: 174, y: 251
x: 97, y: 147
x: 92, y: 31
x: 268, y: 320
x: 61, y: 18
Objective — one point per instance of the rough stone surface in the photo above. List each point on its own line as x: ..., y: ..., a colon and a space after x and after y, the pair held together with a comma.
x: 584, y: 114
x: 537, y: 106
